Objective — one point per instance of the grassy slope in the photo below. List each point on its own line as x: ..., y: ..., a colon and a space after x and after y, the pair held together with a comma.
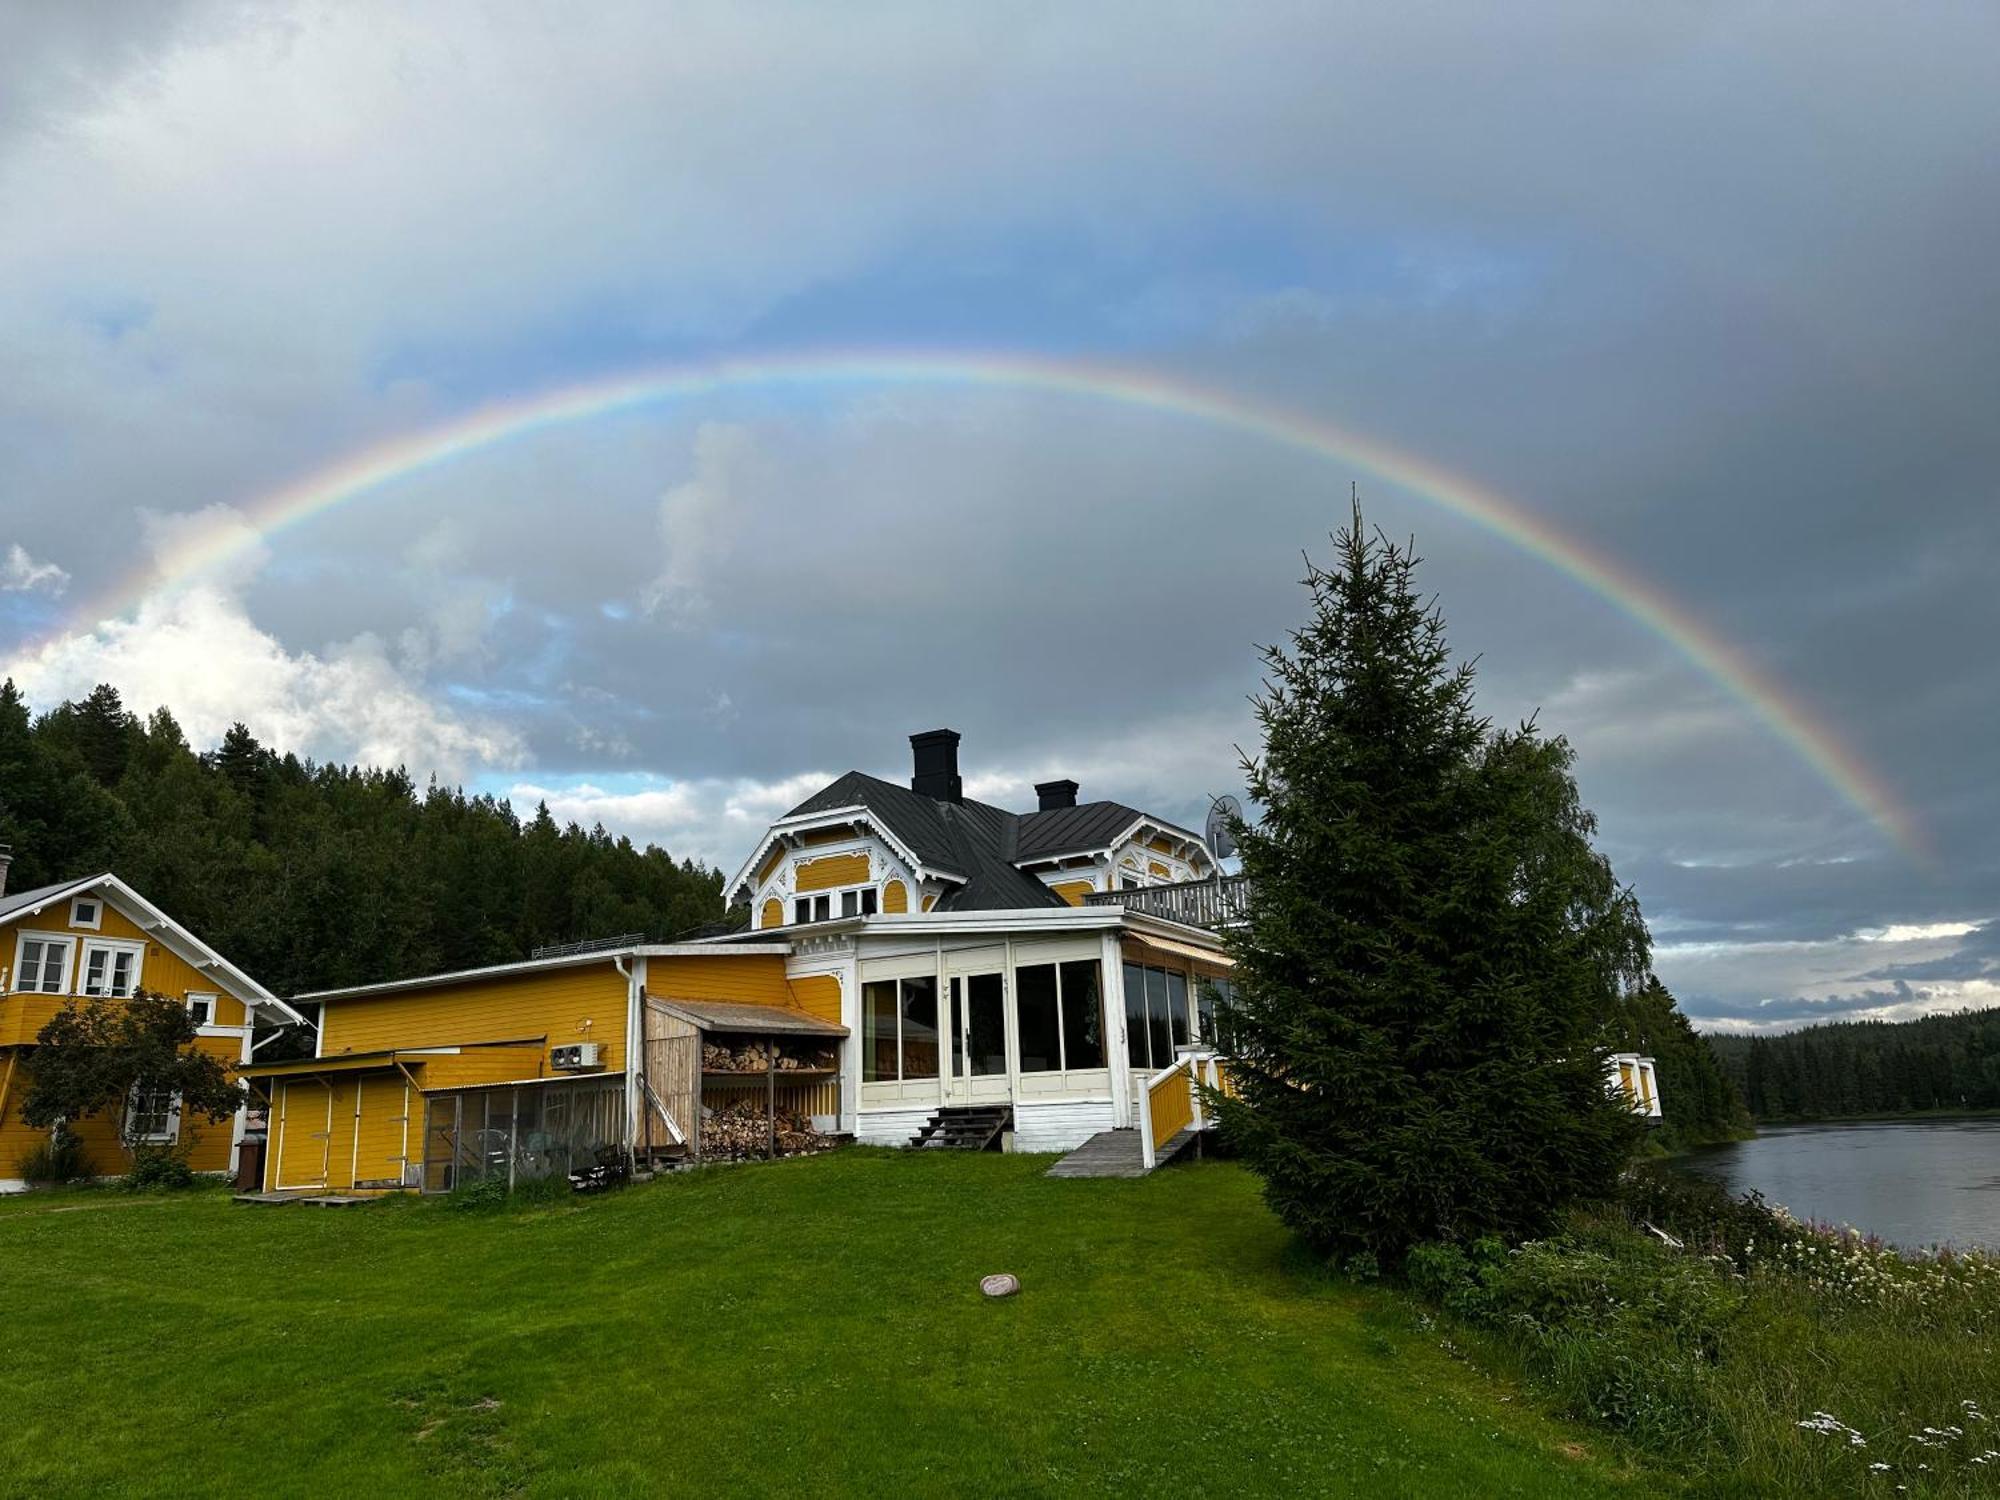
x: 810, y: 1326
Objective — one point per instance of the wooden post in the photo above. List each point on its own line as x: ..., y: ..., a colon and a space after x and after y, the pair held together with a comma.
x: 771, y: 1098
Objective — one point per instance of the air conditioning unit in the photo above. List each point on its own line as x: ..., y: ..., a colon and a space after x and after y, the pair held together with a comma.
x: 575, y: 1057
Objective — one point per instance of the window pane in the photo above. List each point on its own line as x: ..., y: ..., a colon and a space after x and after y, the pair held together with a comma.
x: 93, y: 972
x: 1036, y: 1028
x: 1177, y: 1008
x: 822, y: 908
x: 121, y: 973
x: 1159, y: 1031
x: 1082, y: 1015
x: 878, y: 1031
x: 1135, y: 1015
x: 802, y: 909
x: 868, y: 902
x: 850, y: 903
x: 986, y: 1024
x: 920, y: 1033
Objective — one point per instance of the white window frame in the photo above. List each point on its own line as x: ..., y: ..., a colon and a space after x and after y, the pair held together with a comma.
x: 55, y: 939
x: 96, y: 904
x: 835, y: 897
x: 207, y: 998
x: 110, y: 948
x: 173, y: 1118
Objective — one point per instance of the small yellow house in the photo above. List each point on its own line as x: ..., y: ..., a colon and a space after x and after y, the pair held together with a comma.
x: 98, y: 936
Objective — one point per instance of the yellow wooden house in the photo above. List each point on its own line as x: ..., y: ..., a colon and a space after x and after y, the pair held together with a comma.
x: 97, y: 936
x: 529, y: 1068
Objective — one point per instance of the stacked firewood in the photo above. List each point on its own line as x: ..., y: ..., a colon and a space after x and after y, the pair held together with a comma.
x: 756, y: 1057
x: 741, y: 1129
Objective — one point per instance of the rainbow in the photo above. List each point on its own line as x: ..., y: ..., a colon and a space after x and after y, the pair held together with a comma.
x: 1088, y: 380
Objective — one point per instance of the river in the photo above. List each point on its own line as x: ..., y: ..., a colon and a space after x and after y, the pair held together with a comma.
x: 1916, y: 1183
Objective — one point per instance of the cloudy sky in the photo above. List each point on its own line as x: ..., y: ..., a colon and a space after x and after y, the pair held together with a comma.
x: 1707, y: 290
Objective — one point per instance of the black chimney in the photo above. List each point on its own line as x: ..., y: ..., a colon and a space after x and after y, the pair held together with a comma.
x: 934, y: 765
x: 1056, y: 794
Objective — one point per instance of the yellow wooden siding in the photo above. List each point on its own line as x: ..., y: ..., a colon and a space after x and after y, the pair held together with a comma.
x: 832, y: 870
x: 580, y: 1003
x: 817, y: 836
x: 929, y: 902
x: 161, y: 970
x: 300, y: 1154
x: 209, y: 1144
x: 741, y: 978
x: 1156, y: 868
x: 777, y: 857
x: 818, y: 995
x: 1073, y: 891
x: 774, y: 914
x: 895, y: 898
x: 457, y: 1070
x: 1170, y: 1105
x: 1161, y: 846
x: 386, y: 1101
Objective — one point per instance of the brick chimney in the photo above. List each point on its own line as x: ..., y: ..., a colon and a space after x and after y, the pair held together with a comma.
x: 934, y: 765
x: 6, y: 859
x: 1054, y: 794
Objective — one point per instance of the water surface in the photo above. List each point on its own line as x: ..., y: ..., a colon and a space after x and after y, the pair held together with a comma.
x: 1916, y: 1183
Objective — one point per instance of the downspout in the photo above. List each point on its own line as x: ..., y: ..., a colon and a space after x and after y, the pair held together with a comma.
x: 7, y: 1083
x: 632, y: 1060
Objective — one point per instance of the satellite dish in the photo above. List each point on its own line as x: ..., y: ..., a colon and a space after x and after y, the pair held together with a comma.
x: 1221, y: 813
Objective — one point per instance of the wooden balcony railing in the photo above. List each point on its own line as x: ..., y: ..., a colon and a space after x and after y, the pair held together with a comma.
x: 1219, y: 902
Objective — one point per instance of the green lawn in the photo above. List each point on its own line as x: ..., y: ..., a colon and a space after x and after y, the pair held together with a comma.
x: 809, y: 1327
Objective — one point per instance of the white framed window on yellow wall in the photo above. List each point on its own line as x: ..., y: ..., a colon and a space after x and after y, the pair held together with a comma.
x: 109, y: 968
x: 202, y: 1008
x: 87, y: 912
x: 41, y: 963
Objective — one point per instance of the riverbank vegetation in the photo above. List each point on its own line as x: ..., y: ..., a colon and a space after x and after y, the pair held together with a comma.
x: 1853, y: 1069
x: 1753, y: 1353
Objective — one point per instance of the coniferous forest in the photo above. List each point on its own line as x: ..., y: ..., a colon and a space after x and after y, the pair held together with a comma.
x: 1940, y: 1063
x: 313, y: 876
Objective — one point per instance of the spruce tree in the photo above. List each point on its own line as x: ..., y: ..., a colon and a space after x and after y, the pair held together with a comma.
x: 1433, y: 947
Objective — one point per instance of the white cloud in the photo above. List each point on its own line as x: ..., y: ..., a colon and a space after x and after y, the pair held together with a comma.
x: 191, y: 645
x: 713, y: 819
x: 22, y: 574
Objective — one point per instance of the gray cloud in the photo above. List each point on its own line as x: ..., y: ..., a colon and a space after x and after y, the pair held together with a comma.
x: 1707, y: 292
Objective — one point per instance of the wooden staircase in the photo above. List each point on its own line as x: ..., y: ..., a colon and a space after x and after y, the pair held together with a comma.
x: 973, y: 1127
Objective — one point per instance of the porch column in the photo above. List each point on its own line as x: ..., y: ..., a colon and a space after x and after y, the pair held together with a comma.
x: 1114, y: 1032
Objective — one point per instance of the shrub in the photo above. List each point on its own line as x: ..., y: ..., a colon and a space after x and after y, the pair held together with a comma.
x: 473, y: 1197
x: 158, y: 1168
x: 60, y: 1158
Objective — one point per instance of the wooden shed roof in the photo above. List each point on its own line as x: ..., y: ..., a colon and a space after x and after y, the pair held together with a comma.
x: 763, y: 1020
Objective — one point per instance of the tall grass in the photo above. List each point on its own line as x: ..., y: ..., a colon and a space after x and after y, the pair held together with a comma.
x: 1763, y: 1354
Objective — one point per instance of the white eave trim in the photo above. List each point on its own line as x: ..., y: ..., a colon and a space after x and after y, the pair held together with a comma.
x: 830, y: 818
x: 155, y: 923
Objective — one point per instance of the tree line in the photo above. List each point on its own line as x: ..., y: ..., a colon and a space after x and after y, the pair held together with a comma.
x: 1949, y: 1062
x: 312, y: 876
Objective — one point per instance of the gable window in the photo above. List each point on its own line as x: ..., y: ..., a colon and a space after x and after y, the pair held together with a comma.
x: 110, y: 969
x: 1059, y: 1016
x: 41, y: 965
x: 822, y: 906
x: 152, y: 1114
x: 86, y: 911
x: 202, y: 1008
x: 899, y: 1029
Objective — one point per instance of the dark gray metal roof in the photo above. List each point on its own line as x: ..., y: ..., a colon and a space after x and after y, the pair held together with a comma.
x: 726, y: 1015
x: 981, y: 842
x: 15, y: 901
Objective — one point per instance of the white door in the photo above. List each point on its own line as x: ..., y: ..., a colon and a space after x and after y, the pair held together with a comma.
x: 976, y: 1022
